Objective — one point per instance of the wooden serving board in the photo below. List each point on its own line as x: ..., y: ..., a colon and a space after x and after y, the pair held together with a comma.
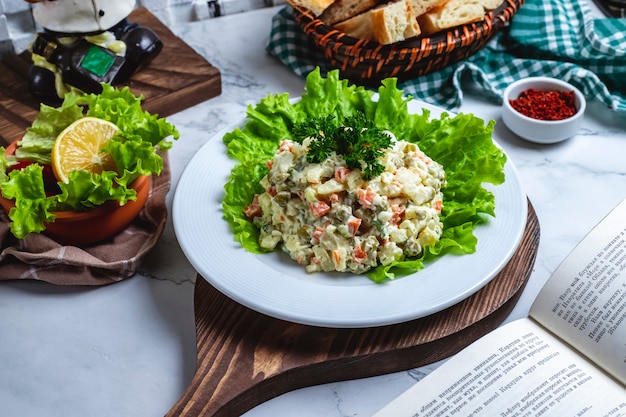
x: 245, y: 358
x: 178, y: 78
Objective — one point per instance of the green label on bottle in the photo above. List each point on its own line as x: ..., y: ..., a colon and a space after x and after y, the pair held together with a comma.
x: 97, y: 61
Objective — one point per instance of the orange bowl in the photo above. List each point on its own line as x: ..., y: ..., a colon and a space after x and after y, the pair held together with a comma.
x: 87, y: 227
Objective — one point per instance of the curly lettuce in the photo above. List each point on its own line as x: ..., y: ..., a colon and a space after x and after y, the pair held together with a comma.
x: 462, y: 144
x: 135, y: 150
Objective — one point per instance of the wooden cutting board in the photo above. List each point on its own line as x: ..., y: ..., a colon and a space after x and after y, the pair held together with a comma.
x: 245, y: 358
x: 177, y: 79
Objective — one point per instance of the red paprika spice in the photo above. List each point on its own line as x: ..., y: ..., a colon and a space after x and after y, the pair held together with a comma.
x: 545, y: 105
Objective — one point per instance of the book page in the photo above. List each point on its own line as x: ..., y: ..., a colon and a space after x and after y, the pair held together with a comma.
x: 517, y: 370
x: 584, y: 302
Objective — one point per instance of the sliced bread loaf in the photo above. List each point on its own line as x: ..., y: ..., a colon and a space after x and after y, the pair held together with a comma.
x: 450, y: 14
x: 385, y: 24
x: 315, y: 6
x: 422, y: 6
x: 342, y: 10
x: 491, y: 4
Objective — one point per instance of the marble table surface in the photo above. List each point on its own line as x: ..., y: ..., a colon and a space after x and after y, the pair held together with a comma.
x: 128, y: 349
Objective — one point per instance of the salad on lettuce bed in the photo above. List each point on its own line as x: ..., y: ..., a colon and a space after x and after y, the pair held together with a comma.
x: 462, y: 144
x: 25, y: 176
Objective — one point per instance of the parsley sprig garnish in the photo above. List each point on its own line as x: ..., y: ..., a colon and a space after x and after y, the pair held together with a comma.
x: 356, y: 138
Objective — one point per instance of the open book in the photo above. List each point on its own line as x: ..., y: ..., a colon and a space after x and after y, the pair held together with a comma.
x: 567, y: 358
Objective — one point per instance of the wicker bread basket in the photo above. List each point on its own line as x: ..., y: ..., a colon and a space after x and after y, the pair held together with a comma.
x: 369, y: 62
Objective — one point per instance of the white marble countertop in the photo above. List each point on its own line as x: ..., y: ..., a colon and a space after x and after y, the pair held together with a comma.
x: 128, y: 349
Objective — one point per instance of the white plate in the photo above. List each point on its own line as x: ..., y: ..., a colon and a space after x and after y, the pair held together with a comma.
x: 275, y: 285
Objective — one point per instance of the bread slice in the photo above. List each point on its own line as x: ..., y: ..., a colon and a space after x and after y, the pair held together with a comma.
x: 395, y: 23
x: 450, y: 14
x: 491, y: 4
x: 422, y: 6
x: 385, y: 24
x: 315, y: 6
x: 360, y: 26
x: 342, y: 10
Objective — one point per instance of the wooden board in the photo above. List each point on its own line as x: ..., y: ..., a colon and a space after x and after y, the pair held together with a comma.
x: 177, y: 79
x: 245, y: 358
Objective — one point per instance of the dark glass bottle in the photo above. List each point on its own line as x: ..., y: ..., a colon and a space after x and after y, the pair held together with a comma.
x: 82, y: 64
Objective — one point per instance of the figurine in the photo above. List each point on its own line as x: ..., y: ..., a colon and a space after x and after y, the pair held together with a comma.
x: 85, y: 43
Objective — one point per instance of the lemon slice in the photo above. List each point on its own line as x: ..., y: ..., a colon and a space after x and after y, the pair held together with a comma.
x: 79, y: 145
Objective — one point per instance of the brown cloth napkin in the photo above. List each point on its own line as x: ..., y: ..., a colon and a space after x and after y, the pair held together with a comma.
x: 39, y: 257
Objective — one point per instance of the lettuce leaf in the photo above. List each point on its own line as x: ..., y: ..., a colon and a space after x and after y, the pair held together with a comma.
x: 462, y: 144
x: 36, y: 144
x: 135, y: 150
x: 243, y: 183
x: 32, y: 207
x: 4, y: 165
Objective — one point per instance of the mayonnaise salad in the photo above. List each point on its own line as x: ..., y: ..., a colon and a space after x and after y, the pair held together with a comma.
x: 327, y: 217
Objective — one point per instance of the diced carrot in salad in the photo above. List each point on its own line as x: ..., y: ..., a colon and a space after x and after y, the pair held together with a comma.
x: 319, y: 208
x: 317, y: 234
x: 358, y: 254
x: 341, y: 173
x: 286, y: 146
x: 334, y: 198
x: 366, y: 197
x: 254, y: 209
x: 398, y: 211
x: 337, y: 256
x: 353, y: 225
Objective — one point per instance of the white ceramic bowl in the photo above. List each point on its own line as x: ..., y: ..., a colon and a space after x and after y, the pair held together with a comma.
x: 536, y: 130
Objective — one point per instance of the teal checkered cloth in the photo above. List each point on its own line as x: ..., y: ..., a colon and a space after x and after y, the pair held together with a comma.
x: 587, y: 52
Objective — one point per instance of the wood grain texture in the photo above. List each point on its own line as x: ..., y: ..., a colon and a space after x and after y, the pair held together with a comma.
x: 245, y: 358
x: 177, y: 79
